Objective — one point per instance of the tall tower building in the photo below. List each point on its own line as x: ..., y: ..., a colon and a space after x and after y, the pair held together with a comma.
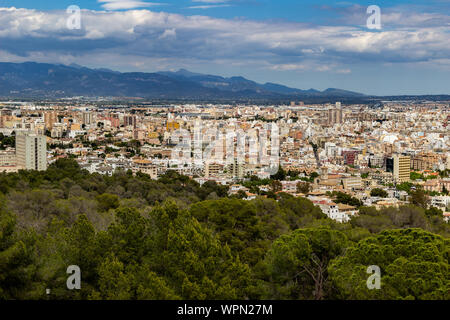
x: 31, y: 151
x: 335, y: 116
x: 130, y: 120
x: 88, y: 118
x: 402, y: 168
x: 50, y: 118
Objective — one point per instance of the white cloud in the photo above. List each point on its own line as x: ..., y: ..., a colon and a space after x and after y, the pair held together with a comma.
x: 209, y: 6
x: 177, y: 39
x: 125, y: 4
x: 169, y: 33
x: 211, y: 1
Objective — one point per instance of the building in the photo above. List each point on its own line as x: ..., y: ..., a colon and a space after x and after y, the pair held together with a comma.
x: 88, y: 118
x: 289, y: 186
x: 349, y: 157
x: 382, y: 178
x: 441, y: 202
x: 432, y: 186
x: 437, y: 185
x: 351, y: 183
x: 376, y: 161
x: 424, y: 162
x: 236, y: 170
x: 145, y: 166
x: 8, y: 161
x: 331, y: 209
x: 172, y: 125
x: 130, y: 120
x: 213, y: 169
x: 31, y: 151
x: 400, y: 166
x: 334, y: 116
x: 7, y: 158
x: 50, y: 118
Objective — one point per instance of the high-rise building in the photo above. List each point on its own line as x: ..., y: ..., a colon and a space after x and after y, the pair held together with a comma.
x: 349, y: 157
x: 31, y: 151
x: 50, y: 118
x: 212, y: 169
x: 389, y: 164
x: 130, y: 120
x: 335, y: 116
x: 424, y: 161
x: 376, y: 161
x: 88, y: 118
x: 402, y: 168
x: 236, y: 169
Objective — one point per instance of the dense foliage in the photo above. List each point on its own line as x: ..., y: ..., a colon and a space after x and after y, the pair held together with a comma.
x: 137, y: 238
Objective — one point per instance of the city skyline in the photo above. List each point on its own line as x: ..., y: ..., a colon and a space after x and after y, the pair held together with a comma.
x: 301, y: 44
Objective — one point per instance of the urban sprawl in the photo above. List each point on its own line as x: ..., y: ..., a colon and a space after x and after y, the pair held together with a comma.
x: 373, y: 156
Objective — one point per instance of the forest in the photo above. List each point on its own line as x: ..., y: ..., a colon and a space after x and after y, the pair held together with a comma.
x: 140, y: 239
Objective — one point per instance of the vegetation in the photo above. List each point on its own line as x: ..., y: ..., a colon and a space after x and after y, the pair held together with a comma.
x: 137, y: 238
x: 376, y: 192
x: 7, y: 141
x: 344, y: 198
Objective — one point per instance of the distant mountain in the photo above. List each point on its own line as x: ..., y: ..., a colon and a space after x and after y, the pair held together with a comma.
x: 32, y: 79
x: 237, y: 84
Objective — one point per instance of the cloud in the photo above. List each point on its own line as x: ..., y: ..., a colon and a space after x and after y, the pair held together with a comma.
x: 169, y: 33
x: 126, y: 4
x: 209, y: 6
x: 211, y: 1
x: 167, y: 40
x: 391, y: 17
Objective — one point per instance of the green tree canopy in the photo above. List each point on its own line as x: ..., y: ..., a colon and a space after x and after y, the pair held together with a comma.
x: 414, y: 265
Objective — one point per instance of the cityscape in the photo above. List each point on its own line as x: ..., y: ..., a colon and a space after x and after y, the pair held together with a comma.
x: 224, y: 158
x: 377, y: 155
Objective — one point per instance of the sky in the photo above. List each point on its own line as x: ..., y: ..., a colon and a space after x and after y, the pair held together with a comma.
x: 299, y: 43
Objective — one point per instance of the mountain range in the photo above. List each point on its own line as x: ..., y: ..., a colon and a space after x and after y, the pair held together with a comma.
x: 43, y: 80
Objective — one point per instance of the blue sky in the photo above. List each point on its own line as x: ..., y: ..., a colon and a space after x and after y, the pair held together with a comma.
x: 304, y: 44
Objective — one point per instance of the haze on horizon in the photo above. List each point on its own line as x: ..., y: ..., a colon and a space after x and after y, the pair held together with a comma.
x: 301, y: 44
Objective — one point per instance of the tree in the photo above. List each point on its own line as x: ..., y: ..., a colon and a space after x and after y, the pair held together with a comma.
x: 107, y: 201
x: 341, y: 197
x: 276, y: 186
x: 433, y: 211
x: 280, y: 175
x: 405, y: 186
x: 120, y: 282
x: 17, y: 270
x: 304, y: 187
x: 241, y: 194
x: 299, y: 212
x: 193, y: 259
x: 419, y: 198
x: 313, y: 175
x: 413, y: 263
x: 377, y: 192
x: 236, y: 223
x: 297, y: 263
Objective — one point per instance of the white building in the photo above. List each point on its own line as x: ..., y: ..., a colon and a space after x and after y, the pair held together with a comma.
x: 31, y: 151
x: 440, y: 202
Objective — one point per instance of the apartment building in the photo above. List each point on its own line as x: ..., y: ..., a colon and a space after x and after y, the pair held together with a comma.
x: 31, y: 151
x: 400, y: 166
x: 424, y: 162
x: 351, y: 183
